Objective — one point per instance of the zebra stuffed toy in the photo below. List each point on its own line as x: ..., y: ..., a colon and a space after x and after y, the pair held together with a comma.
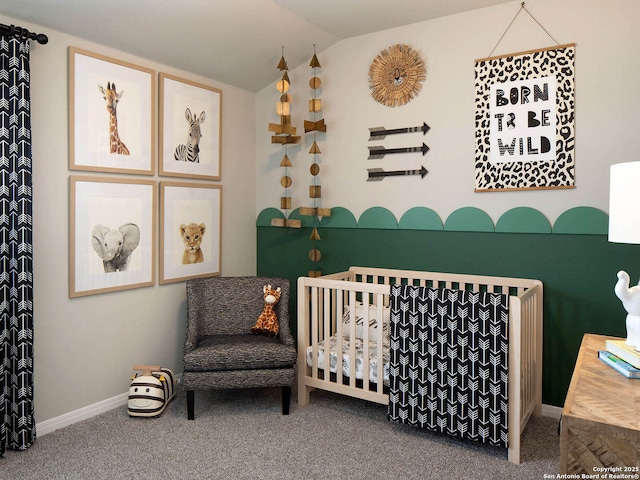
x: 150, y: 391
x: 190, y: 152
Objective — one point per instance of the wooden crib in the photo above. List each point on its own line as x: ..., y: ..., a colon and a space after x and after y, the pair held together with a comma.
x: 324, y: 303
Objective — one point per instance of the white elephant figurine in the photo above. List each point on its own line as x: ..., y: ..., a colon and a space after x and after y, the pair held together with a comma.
x: 630, y: 297
x: 115, y: 246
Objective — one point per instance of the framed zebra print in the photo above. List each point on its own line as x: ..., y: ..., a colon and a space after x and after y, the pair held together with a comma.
x: 112, y: 122
x: 190, y: 128
x: 190, y: 235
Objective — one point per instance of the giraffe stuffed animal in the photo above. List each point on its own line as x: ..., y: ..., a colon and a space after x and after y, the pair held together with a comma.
x: 268, y: 320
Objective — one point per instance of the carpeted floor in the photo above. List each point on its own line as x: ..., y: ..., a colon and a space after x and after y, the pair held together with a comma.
x: 242, y: 435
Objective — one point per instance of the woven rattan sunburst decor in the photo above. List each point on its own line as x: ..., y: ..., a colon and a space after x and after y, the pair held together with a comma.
x: 396, y: 75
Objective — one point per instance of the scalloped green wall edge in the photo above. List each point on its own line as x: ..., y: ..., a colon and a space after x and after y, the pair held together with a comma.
x: 582, y: 220
x: 340, y: 218
x: 523, y: 220
x: 378, y: 217
x: 265, y: 216
x: 469, y: 219
x: 577, y: 220
x: 420, y: 218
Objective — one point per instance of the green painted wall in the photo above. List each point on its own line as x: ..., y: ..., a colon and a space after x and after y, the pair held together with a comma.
x: 578, y: 271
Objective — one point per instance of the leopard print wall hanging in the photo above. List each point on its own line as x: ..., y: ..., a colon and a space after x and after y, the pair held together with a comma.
x: 524, y: 122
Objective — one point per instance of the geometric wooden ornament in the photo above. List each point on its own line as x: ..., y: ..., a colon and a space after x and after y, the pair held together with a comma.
x: 315, y: 190
x: 284, y: 133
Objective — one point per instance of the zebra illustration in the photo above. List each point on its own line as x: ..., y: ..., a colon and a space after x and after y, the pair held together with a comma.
x: 190, y: 151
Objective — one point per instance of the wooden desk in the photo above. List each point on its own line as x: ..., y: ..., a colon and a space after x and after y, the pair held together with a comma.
x: 600, y: 432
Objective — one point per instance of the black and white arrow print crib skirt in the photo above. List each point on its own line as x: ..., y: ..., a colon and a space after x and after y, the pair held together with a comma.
x: 449, y: 355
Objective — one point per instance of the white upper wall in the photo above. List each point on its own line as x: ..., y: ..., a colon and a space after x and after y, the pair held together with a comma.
x: 606, y: 79
x: 85, y: 348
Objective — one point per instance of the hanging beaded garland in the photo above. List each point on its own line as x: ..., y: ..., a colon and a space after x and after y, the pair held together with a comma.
x: 284, y: 133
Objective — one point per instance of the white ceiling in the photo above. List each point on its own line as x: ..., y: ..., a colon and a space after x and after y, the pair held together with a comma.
x: 238, y: 42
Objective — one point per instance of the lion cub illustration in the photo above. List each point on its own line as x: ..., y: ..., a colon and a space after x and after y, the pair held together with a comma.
x: 192, y: 237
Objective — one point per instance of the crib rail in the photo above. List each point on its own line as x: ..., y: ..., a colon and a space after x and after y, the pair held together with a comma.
x: 322, y: 303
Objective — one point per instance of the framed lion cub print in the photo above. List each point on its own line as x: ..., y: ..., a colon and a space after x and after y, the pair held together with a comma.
x: 190, y: 236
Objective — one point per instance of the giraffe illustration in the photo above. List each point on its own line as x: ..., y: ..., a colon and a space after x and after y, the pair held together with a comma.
x: 112, y: 98
x: 268, y: 320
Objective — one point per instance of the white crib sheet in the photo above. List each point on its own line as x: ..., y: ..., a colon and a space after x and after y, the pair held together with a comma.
x: 359, y: 346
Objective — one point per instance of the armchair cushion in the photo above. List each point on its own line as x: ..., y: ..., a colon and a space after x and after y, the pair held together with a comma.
x: 239, y: 352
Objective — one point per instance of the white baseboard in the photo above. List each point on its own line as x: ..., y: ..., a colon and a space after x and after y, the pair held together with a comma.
x: 89, y: 411
x: 551, y: 411
x: 83, y: 413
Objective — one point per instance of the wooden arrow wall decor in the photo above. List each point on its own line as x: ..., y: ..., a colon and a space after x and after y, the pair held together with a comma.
x: 379, y: 133
x: 379, y: 152
x: 378, y: 174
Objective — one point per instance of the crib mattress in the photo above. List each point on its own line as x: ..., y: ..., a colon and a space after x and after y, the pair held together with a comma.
x: 346, y: 360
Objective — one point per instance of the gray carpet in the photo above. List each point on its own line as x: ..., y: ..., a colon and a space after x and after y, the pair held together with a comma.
x: 242, y: 435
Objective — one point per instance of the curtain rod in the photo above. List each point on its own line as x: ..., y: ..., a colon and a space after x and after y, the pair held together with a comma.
x: 23, y: 33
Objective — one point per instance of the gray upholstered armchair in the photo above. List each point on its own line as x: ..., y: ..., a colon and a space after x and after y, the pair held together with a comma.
x: 219, y: 349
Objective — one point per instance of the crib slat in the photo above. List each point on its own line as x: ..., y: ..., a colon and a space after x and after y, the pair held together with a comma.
x: 339, y: 335
x: 365, y: 344
x: 314, y: 331
x: 380, y: 335
x: 352, y: 336
x: 327, y: 315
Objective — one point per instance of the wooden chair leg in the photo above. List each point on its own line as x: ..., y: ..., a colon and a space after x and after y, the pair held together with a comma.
x: 190, y: 404
x: 286, y: 400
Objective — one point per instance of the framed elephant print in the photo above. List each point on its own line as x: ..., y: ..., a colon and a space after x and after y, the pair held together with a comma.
x: 112, y: 234
x: 112, y: 122
x: 190, y: 128
x: 190, y: 235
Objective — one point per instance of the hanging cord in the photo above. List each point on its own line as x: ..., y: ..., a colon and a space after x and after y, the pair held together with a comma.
x: 522, y: 7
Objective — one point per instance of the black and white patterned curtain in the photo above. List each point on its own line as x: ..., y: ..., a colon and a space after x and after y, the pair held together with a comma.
x: 448, y: 361
x: 17, y: 423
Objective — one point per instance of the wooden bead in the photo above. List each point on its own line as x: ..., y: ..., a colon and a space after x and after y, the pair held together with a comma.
x: 315, y: 255
x: 286, y: 181
x: 315, y: 191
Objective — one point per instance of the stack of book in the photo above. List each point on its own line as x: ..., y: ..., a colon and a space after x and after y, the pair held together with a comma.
x: 622, y: 357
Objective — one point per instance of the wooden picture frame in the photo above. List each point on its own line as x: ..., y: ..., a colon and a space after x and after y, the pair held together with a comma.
x: 190, y: 129
x: 525, y: 120
x: 103, y: 138
x: 190, y: 216
x: 112, y: 234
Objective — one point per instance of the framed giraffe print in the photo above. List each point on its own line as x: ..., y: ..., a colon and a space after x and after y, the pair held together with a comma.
x: 190, y: 128
x: 112, y: 234
x: 190, y: 235
x: 112, y: 120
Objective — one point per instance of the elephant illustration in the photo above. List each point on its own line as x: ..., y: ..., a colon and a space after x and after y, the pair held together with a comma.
x: 630, y: 297
x: 115, y: 246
